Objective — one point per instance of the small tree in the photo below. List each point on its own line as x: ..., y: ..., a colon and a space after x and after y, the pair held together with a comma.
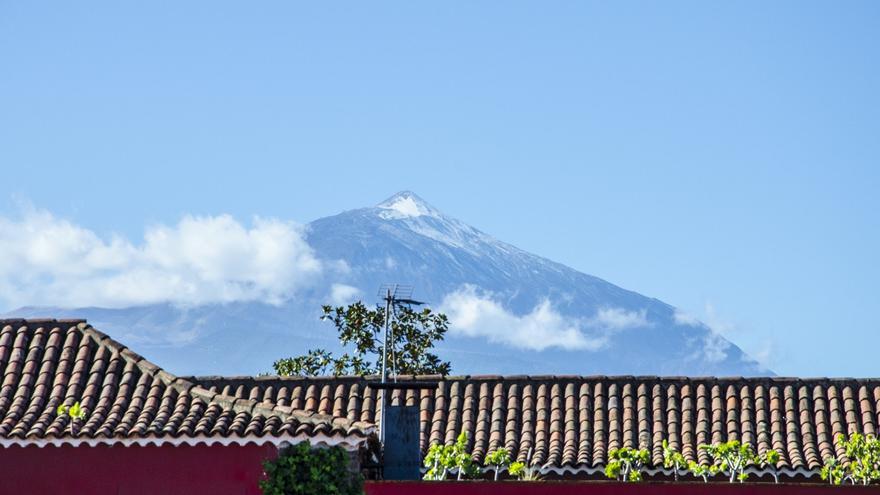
x: 444, y: 458
x: 673, y: 459
x: 770, y: 459
x: 439, y: 462
x: 864, y: 457
x: 833, y: 471
x: 412, y: 337
x: 463, y: 462
x: 701, y: 470
x: 525, y: 471
x: 732, y: 458
x: 75, y: 412
x: 303, y: 470
x: 625, y: 464
x: 498, y: 459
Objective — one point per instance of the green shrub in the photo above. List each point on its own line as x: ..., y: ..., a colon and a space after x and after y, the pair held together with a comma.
x: 303, y: 470
x: 442, y: 459
x: 498, y: 460
x: 673, y: 459
x: 626, y: 464
x: 732, y: 458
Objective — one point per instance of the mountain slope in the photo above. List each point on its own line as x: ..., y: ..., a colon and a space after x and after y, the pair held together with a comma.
x: 516, y: 312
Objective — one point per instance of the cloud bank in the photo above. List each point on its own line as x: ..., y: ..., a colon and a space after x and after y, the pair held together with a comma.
x: 342, y: 294
x: 474, y: 313
x: 714, y: 345
x: 45, y: 260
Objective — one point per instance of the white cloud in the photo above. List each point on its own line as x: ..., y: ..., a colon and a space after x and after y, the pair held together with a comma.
x: 477, y: 314
x: 685, y: 319
x: 341, y: 294
x: 45, y: 260
x: 620, y: 319
x: 714, y: 344
x: 714, y: 347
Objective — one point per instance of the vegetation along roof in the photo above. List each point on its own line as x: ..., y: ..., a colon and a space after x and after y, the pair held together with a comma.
x: 570, y: 423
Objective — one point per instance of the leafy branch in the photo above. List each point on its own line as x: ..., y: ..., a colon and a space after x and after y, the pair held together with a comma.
x: 732, y: 458
x: 625, y: 464
x: 673, y: 459
x: 833, y: 471
x: 442, y: 459
x: 525, y: 471
x: 864, y: 457
x: 412, y: 337
x: 498, y: 459
x: 75, y: 412
x: 701, y: 471
x: 770, y: 459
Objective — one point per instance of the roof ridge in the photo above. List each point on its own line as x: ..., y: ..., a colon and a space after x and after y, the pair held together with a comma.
x: 547, y: 377
x: 187, y: 386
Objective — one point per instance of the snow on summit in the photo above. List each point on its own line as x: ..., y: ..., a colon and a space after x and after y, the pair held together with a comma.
x: 405, y: 204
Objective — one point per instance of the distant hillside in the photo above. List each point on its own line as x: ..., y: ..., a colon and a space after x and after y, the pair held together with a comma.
x: 513, y: 312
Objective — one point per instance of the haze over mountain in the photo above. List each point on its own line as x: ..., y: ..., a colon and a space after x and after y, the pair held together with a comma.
x: 511, y: 312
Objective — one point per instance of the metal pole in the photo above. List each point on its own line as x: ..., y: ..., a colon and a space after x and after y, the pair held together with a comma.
x: 388, y: 300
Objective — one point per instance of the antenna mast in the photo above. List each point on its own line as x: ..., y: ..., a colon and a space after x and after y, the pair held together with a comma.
x: 392, y: 295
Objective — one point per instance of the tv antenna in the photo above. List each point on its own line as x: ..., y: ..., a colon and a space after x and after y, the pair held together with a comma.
x: 394, y: 296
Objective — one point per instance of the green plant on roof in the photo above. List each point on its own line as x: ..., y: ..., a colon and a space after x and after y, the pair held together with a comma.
x: 74, y: 412
x: 863, y: 452
x: 464, y: 462
x: 673, y: 459
x: 731, y: 458
x: 833, y: 471
x: 701, y: 470
x: 439, y: 462
x: 498, y: 459
x: 525, y: 471
x: 442, y: 459
x: 625, y: 464
x: 770, y: 459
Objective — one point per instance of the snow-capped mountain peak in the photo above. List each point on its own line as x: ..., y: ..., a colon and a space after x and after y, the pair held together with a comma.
x: 518, y: 304
x: 406, y: 210
x: 406, y: 204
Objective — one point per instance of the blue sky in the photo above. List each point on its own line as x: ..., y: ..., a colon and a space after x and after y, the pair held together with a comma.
x: 722, y: 157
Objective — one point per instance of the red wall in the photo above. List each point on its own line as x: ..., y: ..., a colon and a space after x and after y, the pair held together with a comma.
x: 601, y: 488
x: 122, y: 470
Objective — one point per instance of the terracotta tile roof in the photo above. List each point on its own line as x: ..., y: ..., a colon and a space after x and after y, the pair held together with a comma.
x: 128, y: 399
x: 572, y: 422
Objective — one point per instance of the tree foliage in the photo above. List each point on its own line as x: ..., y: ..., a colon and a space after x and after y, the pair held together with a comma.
x: 74, y: 412
x: 303, y: 470
x: 770, y: 459
x: 701, y: 470
x: 498, y: 459
x: 525, y: 471
x: 673, y: 459
x: 833, y: 471
x: 442, y: 459
x: 731, y: 458
x: 863, y: 452
x: 411, y: 340
x: 625, y: 464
